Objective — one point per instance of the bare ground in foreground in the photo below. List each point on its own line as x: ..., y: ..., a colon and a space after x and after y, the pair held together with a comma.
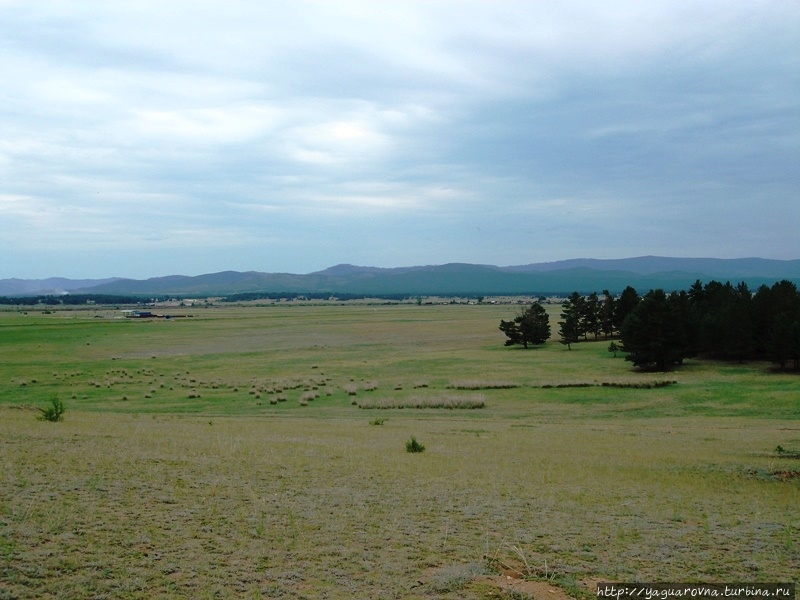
x: 126, y: 506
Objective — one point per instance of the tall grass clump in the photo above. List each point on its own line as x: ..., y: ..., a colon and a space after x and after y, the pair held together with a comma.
x: 413, y: 445
x: 308, y: 396
x: 54, y: 412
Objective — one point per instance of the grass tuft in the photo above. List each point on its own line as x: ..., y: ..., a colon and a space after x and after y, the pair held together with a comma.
x: 308, y: 396
x: 55, y: 412
x: 413, y: 446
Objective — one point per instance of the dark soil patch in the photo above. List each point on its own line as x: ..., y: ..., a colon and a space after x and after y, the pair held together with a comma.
x: 786, y: 475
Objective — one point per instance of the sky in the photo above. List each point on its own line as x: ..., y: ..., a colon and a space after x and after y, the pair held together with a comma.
x: 142, y: 138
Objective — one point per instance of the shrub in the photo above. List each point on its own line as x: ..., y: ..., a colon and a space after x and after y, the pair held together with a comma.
x: 413, y: 445
x: 377, y: 421
x: 54, y: 412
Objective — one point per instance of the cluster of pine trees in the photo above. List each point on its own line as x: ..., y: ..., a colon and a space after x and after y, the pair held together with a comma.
x: 715, y: 320
x: 661, y: 330
x: 718, y: 321
x: 583, y: 316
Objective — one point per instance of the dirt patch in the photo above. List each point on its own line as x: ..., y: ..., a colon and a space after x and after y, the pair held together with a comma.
x: 516, y: 576
x: 786, y: 475
x: 778, y: 475
x: 539, y: 590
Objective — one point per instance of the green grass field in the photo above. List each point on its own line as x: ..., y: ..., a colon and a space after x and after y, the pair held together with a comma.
x: 225, y: 455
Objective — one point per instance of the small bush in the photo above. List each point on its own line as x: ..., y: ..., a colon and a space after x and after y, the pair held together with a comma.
x: 54, y: 412
x: 413, y: 445
x: 377, y: 421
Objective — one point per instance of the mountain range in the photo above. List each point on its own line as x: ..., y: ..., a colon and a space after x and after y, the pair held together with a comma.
x: 583, y: 275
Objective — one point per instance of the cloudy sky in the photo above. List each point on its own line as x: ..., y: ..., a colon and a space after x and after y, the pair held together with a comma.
x: 142, y: 138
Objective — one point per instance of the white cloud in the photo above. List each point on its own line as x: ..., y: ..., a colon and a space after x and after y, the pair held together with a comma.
x: 15, y: 207
x: 336, y: 143
x: 207, y: 126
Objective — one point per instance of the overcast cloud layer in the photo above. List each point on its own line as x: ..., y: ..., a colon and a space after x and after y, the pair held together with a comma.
x: 144, y: 138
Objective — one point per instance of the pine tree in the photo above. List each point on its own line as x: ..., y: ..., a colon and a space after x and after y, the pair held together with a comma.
x: 531, y: 326
x: 654, y: 334
x: 570, y: 328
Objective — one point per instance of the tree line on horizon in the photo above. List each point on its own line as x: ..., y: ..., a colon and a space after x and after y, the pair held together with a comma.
x: 73, y: 299
x: 660, y: 330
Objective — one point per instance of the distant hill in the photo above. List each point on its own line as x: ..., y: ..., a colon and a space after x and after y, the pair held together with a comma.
x: 563, y: 277
x: 649, y: 265
x: 54, y: 286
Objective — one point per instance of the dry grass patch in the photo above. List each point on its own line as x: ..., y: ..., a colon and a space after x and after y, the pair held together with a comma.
x: 169, y: 506
x: 621, y: 383
x: 478, y: 384
x: 449, y: 401
x: 308, y: 396
x: 369, y: 386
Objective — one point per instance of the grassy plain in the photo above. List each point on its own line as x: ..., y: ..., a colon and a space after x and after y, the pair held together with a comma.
x: 222, y: 456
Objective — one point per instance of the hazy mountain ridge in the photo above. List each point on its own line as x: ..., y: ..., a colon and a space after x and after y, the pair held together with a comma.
x: 583, y: 275
x: 52, y: 285
x: 648, y: 265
